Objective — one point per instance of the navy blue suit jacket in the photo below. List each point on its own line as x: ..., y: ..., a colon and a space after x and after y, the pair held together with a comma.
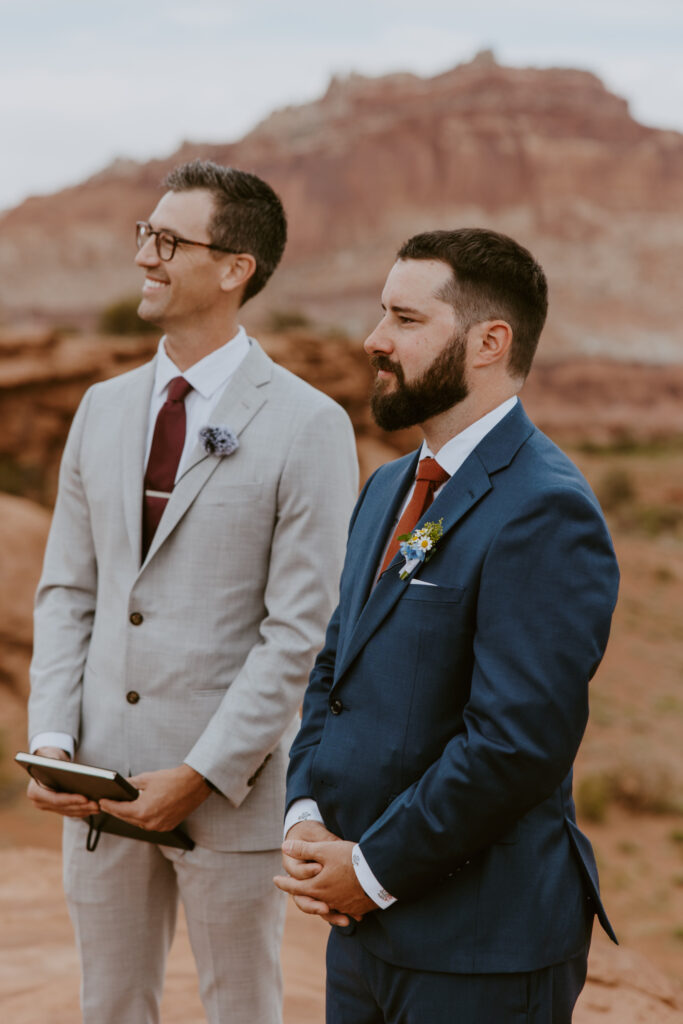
x: 441, y: 722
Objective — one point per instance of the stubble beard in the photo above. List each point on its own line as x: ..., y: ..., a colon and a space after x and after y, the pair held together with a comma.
x: 438, y: 388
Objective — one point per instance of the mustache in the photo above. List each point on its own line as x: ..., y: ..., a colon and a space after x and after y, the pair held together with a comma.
x: 378, y: 361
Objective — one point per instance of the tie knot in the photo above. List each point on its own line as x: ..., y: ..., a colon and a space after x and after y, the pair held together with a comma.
x: 429, y: 469
x: 178, y: 389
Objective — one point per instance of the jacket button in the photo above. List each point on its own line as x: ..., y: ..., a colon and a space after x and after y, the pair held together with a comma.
x: 132, y: 697
x: 136, y: 618
x: 336, y: 706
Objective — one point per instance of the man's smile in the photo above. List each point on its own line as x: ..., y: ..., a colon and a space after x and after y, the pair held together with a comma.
x: 151, y: 284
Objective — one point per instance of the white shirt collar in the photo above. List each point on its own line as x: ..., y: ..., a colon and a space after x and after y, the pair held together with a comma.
x: 452, y: 455
x: 207, y: 375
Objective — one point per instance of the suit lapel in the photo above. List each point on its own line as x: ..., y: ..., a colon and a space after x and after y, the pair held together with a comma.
x: 462, y: 491
x: 134, y: 439
x: 239, y: 403
x: 388, y: 493
x: 465, y: 488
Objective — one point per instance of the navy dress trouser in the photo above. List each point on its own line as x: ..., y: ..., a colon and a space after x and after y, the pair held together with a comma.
x: 361, y: 989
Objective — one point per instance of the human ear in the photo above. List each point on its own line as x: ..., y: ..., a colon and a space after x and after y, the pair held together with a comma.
x: 237, y: 271
x: 494, y: 338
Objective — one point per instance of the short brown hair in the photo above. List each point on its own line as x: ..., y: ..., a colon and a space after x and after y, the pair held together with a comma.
x: 494, y: 277
x: 248, y: 215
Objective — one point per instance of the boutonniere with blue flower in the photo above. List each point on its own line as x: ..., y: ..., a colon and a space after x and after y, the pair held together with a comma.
x: 218, y: 440
x: 419, y: 546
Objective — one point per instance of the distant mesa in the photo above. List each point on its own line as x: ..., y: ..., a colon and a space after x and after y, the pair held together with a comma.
x: 548, y: 155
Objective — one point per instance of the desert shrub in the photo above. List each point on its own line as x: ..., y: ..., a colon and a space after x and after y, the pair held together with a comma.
x: 646, y: 785
x: 643, y: 785
x: 657, y: 519
x: 615, y: 488
x: 287, y: 320
x: 121, y: 317
x: 25, y: 481
x: 593, y: 796
x: 668, y: 704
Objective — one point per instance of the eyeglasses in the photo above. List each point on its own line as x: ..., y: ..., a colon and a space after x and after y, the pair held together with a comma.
x: 165, y: 242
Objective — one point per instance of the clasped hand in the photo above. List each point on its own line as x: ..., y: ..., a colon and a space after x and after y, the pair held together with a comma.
x: 320, y: 875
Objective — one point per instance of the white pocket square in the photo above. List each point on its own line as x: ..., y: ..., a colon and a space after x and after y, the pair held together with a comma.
x: 422, y: 583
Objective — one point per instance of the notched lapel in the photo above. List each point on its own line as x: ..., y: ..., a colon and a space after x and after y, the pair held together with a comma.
x: 242, y: 399
x: 462, y: 491
x: 380, y: 511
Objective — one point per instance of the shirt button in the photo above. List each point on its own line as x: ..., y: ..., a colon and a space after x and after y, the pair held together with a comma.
x: 336, y: 706
x: 132, y: 697
x: 136, y: 618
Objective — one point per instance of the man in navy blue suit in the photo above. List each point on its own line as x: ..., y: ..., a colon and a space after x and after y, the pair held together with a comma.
x: 430, y: 813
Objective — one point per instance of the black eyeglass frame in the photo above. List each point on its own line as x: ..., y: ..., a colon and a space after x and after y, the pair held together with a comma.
x: 144, y: 231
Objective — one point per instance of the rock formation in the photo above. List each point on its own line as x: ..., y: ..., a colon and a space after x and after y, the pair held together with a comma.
x: 547, y: 155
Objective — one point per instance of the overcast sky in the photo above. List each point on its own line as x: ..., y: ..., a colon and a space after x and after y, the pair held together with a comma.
x: 83, y: 81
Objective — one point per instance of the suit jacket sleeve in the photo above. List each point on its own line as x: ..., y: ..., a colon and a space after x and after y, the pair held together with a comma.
x: 547, y: 591
x: 65, y: 601
x: 316, y: 493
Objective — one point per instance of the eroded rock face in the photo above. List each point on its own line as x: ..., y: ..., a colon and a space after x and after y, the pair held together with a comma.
x: 23, y: 532
x: 547, y: 155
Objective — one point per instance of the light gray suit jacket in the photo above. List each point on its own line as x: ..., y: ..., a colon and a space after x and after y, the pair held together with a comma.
x: 234, y: 593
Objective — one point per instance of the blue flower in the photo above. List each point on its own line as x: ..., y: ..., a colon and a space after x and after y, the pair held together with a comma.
x: 419, y: 546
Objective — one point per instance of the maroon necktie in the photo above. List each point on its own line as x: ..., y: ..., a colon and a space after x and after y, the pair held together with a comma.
x: 430, y: 476
x: 167, y: 447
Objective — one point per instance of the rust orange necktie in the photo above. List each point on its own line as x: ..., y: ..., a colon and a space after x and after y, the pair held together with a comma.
x: 430, y: 476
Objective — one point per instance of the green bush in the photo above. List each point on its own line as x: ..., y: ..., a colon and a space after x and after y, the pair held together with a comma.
x: 121, y: 317
x: 641, y: 786
x: 646, y: 785
x: 287, y: 320
x: 657, y: 519
x: 593, y: 796
x: 25, y: 481
x: 615, y: 489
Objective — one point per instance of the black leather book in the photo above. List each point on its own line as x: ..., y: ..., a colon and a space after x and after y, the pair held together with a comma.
x: 97, y: 784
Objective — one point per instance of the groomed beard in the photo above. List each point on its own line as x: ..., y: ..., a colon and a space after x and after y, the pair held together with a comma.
x: 438, y: 388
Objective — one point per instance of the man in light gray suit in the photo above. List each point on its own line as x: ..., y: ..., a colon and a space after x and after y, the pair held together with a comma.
x: 192, y: 564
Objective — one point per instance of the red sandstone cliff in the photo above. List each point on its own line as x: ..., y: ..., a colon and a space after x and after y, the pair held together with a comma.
x: 548, y: 155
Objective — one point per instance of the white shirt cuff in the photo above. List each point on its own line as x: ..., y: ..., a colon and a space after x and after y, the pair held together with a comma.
x: 305, y: 809
x: 371, y: 887
x: 54, y: 739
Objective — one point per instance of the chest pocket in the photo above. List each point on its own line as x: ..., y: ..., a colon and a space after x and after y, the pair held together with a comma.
x: 433, y: 595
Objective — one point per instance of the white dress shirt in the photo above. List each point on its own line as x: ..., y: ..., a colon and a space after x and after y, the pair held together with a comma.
x: 209, y: 378
x: 451, y: 457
